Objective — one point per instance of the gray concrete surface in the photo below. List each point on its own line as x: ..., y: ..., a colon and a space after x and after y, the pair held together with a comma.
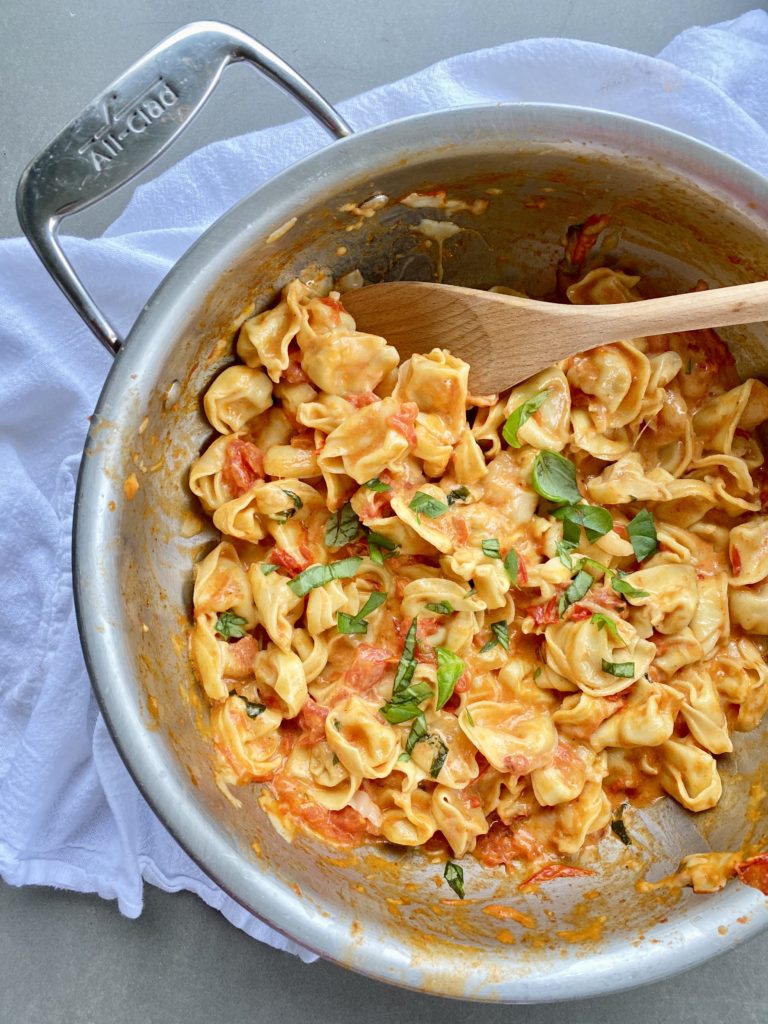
x: 69, y: 958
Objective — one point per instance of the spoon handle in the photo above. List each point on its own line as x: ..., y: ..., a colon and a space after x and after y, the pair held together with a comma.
x: 719, y: 307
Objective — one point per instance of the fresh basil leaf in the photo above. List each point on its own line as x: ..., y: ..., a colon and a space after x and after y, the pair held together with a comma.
x: 578, y: 587
x: 564, y: 549
x: 346, y: 623
x: 621, y: 586
x: 511, y: 566
x: 520, y: 415
x: 343, y: 527
x: 642, y: 534
x: 618, y: 827
x: 404, y: 704
x: 399, y: 713
x: 417, y: 734
x: 253, y: 710
x: 536, y: 674
x: 454, y: 876
x: 624, y: 669
x: 491, y: 548
x: 501, y: 631
x: 267, y: 568
x: 407, y: 664
x: 597, y: 521
x: 458, y: 494
x: 380, y: 547
x: 570, y: 531
x: 425, y: 504
x: 449, y: 669
x: 297, y: 502
x: 440, y: 607
x: 499, y: 635
x: 441, y: 752
x: 319, y: 575
x: 284, y: 515
x: 554, y: 478
x: 230, y: 625
x: 470, y: 719
x: 598, y: 567
x: 377, y: 485
x: 413, y: 693
x: 349, y: 624
x: 606, y: 622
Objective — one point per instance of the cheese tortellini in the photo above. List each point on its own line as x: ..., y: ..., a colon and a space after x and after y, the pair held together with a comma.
x: 477, y: 622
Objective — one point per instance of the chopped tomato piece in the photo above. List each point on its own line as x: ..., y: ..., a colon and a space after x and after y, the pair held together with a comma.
x: 504, y: 845
x: 368, y: 667
x: 403, y: 422
x: 428, y: 625
x: 582, y: 237
x: 579, y: 612
x: 522, y: 571
x: 363, y: 399
x: 754, y: 872
x: 621, y: 529
x: 289, y: 562
x: 333, y: 304
x: 544, y: 614
x: 241, y: 655
x: 312, y: 723
x: 552, y: 871
x: 294, y: 372
x: 243, y: 466
x: 736, y: 561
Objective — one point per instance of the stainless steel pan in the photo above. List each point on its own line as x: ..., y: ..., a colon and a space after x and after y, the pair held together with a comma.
x: 682, y: 212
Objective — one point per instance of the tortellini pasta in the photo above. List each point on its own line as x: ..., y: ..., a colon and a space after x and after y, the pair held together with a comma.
x: 476, y: 622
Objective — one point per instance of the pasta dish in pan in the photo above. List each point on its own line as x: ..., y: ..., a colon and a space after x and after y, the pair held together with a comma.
x: 479, y: 624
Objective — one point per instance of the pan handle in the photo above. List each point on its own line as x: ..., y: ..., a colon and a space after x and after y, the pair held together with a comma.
x: 126, y: 127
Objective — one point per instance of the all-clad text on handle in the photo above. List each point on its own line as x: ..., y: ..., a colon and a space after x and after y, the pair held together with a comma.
x: 128, y: 126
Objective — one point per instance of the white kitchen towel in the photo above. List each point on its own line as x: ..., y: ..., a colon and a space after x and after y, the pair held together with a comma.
x: 70, y: 815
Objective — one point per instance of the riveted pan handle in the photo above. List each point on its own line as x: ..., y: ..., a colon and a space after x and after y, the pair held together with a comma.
x: 124, y: 129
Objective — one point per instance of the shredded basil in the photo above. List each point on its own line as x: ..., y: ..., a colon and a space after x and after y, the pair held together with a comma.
x: 564, y: 549
x: 642, y: 534
x: 319, y: 575
x: 380, y: 547
x: 343, y: 527
x: 377, y: 485
x: 457, y: 494
x: 441, y: 752
x: 454, y: 876
x: 425, y: 504
x: 597, y: 521
x: 606, y: 622
x: 554, y: 478
x: 418, y: 732
x: 623, y: 669
x: 470, y: 719
x: 511, y: 566
x: 267, y: 568
x: 253, y: 710
x: 491, y: 548
x: 578, y: 587
x: 449, y: 669
x: 618, y: 827
x: 520, y: 415
x: 440, y: 607
x: 499, y: 635
x: 536, y: 674
x: 230, y: 625
x: 346, y: 623
x: 621, y: 586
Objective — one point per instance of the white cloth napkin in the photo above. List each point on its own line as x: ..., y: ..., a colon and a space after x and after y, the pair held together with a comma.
x: 70, y: 815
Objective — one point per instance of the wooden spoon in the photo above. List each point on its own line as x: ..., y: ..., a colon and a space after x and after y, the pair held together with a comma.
x: 506, y: 339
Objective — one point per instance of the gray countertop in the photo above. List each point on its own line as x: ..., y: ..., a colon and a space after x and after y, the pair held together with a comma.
x: 71, y: 958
